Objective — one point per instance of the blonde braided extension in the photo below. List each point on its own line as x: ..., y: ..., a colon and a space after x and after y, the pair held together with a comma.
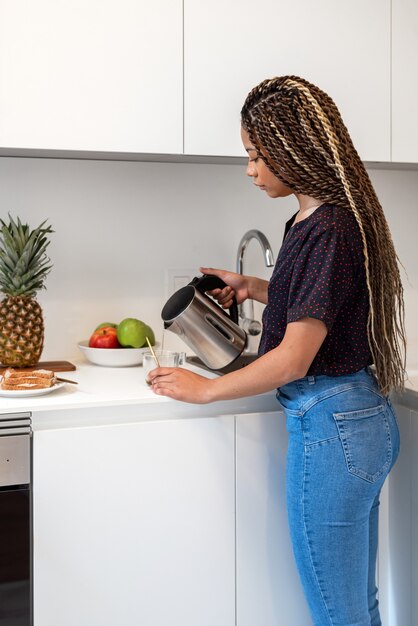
x: 299, y: 133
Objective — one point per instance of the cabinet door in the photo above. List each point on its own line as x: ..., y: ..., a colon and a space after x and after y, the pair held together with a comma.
x: 404, y: 81
x: 414, y: 518
x: 94, y: 75
x: 343, y: 47
x: 398, y: 534
x: 134, y: 524
x: 268, y: 587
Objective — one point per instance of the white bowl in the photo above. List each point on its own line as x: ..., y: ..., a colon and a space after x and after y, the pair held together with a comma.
x: 113, y: 357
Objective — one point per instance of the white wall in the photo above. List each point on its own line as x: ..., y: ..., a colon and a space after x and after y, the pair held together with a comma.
x: 120, y: 225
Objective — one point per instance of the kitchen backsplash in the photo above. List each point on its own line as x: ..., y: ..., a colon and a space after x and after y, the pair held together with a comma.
x: 119, y: 226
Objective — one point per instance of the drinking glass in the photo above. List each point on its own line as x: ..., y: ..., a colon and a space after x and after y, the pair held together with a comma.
x: 166, y: 358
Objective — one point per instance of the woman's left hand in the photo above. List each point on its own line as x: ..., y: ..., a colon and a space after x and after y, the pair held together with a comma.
x: 180, y: 384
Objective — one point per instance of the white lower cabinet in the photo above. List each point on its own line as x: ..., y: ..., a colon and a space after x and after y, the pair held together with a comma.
x: 184, y: 522
x: 134, y: 524
x: 268, y: 588
x: 398, y: 531
x: 414, y: 518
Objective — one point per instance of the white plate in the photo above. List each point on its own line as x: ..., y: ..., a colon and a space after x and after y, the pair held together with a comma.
x: 22, y: 393
x: 113, y: 357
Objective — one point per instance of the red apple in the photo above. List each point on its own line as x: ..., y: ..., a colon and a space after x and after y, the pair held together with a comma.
x: 105, y: 337
x: 104, y: 324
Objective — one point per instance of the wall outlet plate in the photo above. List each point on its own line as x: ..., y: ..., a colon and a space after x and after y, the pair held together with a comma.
x: 175, y: 279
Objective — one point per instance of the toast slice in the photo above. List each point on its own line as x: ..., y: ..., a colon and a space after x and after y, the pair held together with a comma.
x: 23, y: 386
x: 11, y: 373
x: 30, y: 381
x: 22, y: 381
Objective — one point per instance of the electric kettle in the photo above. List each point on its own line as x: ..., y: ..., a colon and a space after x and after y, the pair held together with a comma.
x: 212, y: 333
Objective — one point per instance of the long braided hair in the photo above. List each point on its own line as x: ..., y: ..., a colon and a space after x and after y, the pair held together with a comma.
x: 298, y: 132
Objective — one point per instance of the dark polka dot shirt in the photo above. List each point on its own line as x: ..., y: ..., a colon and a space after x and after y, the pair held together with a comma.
x: 320, y: 273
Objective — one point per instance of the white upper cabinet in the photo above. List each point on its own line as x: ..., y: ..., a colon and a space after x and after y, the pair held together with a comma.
x: 405, y: 81
x: 343, y: 47
x: 121, y: 77
x: 97, y: 75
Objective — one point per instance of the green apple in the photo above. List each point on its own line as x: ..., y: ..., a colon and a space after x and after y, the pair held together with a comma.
x: 150, y: 335
x: 132, y: 333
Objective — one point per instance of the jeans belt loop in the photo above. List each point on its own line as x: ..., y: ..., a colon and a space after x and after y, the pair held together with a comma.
x: 311, y: 380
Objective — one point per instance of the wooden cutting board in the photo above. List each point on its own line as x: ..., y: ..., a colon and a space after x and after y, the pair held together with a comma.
x: 55, y: 366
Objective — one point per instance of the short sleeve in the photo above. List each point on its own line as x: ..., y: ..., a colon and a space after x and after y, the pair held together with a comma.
x: 323, y: 276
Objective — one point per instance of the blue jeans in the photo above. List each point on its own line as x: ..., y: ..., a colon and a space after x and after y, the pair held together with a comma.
x: 343, y: 441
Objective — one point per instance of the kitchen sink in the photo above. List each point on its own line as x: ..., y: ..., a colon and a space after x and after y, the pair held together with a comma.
x: 243, y: 360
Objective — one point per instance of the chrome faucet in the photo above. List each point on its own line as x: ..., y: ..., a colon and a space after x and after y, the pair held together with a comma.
x: 249, y: 324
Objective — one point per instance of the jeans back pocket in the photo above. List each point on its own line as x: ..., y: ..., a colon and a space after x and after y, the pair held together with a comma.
x: 366, y: 441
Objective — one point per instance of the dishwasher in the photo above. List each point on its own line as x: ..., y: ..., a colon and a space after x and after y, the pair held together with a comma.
x: 15, y: 520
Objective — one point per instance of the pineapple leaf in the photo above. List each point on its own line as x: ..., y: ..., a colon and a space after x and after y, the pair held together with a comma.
x: 24, y: 263
x: 5, y: 261
x: 17, y: 235
x: 31, y: 279
x: 6, y: 272
x: 36, y: 259
x: 41, y: 243
x: 9, y: 244
x: 15, y: 282
x: 32, y: 286
x: 43, y: 269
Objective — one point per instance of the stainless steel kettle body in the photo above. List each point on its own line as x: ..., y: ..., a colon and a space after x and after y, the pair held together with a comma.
x: 203, y: 325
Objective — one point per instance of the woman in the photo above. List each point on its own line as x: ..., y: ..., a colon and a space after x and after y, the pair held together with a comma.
x: 334, y: 308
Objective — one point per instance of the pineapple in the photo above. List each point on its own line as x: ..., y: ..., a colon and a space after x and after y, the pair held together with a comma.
x: 23, y: 269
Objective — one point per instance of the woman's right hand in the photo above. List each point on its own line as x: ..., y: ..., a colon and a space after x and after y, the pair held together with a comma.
x: 237, y: 285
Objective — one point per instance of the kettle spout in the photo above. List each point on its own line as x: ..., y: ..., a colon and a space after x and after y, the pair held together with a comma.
x: 174, y: 327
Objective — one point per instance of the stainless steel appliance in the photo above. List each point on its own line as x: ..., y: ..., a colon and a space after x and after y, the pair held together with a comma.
x: 15, y: 520
x: 212, y: 333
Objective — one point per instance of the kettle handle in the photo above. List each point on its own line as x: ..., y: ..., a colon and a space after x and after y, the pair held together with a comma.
x: 207, y: 282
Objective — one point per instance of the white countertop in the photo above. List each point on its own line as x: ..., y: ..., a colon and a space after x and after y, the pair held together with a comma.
x: 97, y: 386
x: 101, y: 389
